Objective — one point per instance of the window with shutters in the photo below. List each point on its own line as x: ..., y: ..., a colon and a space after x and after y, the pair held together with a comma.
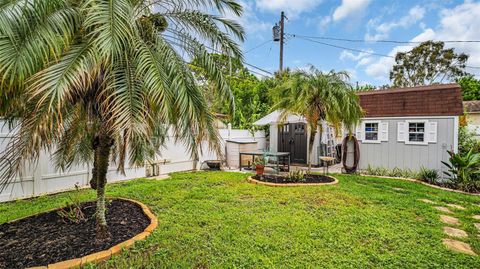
x: 416, y: 132
x: 371, y: 131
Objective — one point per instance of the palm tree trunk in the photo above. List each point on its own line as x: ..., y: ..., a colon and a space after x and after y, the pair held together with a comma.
x: 311, y: 142
x: 102, y: 154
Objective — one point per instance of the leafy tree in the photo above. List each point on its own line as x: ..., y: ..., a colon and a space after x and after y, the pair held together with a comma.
x: 365, y: 88
x: 249, y: 92
x: 426, y: 64
x: 98, y: 80
x: 470, y: 88
x: 318, y: 97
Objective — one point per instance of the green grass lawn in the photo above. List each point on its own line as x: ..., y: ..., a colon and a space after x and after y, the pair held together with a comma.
x: 218, y: 220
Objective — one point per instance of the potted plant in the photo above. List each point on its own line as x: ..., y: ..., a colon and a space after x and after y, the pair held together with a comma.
x: 260, y: 165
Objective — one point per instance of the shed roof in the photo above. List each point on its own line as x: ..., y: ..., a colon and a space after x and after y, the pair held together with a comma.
x: 435, y: 100
x: 274, y: 117
x: 472, y: 106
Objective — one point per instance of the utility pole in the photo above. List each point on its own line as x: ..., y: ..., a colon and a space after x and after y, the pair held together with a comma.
x: 278, y: 35
x: 282, y: 33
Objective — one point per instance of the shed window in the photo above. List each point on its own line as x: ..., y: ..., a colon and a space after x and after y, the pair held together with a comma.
x: 371, y: 131
x: 416, y: 131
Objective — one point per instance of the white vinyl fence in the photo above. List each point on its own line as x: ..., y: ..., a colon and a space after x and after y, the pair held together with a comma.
x: 43, y: 178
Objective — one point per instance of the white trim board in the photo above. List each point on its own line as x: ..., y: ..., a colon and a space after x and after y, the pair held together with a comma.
x: 411, y: 117
x: 455, y: 134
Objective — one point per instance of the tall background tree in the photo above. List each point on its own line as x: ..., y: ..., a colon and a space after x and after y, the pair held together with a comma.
x: 319, y: 97
x: 426, y: 64
x: 99, y: 80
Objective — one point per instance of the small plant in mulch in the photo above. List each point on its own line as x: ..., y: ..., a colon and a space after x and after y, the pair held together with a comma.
x: 72, y: 212
x: 428, y: 175
x: 296, y: 176
x: 52, y: 237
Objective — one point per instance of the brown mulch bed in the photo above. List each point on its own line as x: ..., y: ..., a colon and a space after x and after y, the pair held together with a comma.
x: 312, y: 178
x: 47, y: 238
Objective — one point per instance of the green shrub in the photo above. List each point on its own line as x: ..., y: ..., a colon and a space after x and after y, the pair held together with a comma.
x: 467, y: 141
x: 395, y: 172
x: 369, y: 170
x: 408, y: 173
x: 381, y: 171
x: 428, y: 175
x: 464, y: 170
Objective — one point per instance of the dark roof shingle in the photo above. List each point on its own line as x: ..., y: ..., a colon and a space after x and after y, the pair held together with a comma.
x: 435, y: 100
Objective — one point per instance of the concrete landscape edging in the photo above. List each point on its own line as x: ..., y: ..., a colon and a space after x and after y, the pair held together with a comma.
x: 106, y: 254
x: 424, y: 183
x: 271, y: 184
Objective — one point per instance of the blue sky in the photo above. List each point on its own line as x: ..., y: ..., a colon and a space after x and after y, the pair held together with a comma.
x: 405, y: 20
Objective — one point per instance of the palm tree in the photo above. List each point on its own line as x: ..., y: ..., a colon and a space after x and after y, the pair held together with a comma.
x: 99, y: 80
x: 319, y: 97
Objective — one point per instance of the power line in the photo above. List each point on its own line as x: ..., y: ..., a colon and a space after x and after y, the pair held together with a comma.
x: 382, y: 41
x: 258, y: 68
x: 251, y: 65
x: 258, y: 46
x: 257, y: 73
x: 342, y: 47
x: 358, y: 50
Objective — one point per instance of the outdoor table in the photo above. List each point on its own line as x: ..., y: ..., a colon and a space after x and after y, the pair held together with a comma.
x: 284, y: 156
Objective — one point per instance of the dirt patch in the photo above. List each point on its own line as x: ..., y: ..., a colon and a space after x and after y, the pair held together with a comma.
x: 47, y: 238
x: 283, y: 179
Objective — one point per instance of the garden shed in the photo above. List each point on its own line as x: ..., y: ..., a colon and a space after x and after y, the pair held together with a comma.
x: 409, y: 128
x: 291, y: 135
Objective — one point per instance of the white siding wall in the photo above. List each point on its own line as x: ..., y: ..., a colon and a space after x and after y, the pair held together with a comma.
x: 42, y: 178
x: 394, y: 153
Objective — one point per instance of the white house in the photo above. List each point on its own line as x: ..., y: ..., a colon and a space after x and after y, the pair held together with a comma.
x: 472, y: 113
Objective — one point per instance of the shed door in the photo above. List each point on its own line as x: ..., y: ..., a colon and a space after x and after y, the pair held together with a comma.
x: 292, y: 138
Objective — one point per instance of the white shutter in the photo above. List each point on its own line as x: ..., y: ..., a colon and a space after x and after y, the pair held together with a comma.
x: 383, y: 126
x: 401, y: 131
x: 431, y: 132
x: 360, y: 131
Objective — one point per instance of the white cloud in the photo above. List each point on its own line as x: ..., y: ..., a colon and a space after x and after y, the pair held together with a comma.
x: 365, y: 61
x: 354, y: 57
x: 458, y: 23
x: 291, y: 7
x: 249, y: 20
x: 380, y: 68
x: 323, y: 23
x: 383, y: 30
x: 349, y: 8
